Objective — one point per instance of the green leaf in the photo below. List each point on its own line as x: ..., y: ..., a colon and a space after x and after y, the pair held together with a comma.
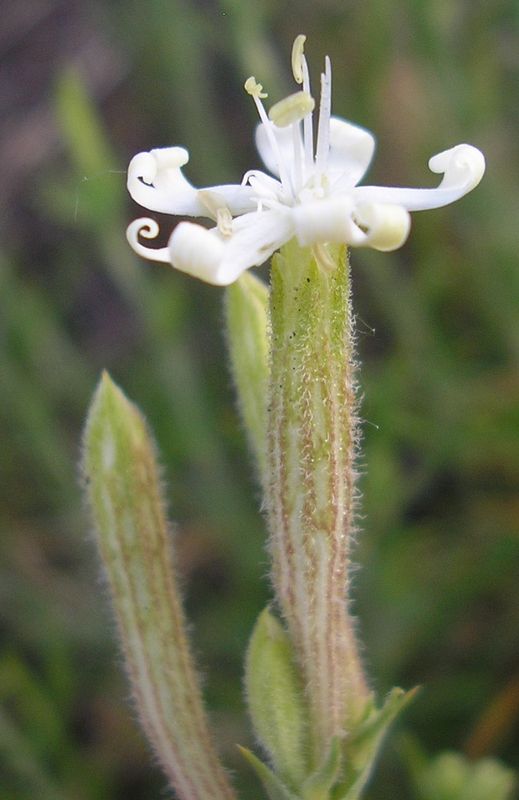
x: 318, y: 785
x: 275, y: 698
x: 273, y: 785
x: 363, y: 743
x: 246, y: 310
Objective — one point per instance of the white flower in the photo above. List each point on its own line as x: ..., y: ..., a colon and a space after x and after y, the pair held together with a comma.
x: 313, y: 195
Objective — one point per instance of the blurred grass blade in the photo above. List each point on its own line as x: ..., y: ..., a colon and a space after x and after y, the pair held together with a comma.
x: 133, y: 538
x: 102, y: 193
x: 18, y: 753
x: 81, y: 125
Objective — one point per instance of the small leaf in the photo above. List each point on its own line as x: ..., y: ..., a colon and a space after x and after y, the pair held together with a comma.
x: 275, y: 698
x: 273, y: 785
x: 363, y: 743
x: 318, y: 785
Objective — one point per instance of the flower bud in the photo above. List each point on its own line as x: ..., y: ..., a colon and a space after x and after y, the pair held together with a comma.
x: 125, y: 497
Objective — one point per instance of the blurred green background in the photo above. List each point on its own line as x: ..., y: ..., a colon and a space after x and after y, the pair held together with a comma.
x: 83, y: 88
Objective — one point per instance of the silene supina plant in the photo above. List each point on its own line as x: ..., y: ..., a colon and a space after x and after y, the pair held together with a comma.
x: 314, y: 713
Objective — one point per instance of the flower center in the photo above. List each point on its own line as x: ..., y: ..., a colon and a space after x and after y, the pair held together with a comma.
x: 302, y: 174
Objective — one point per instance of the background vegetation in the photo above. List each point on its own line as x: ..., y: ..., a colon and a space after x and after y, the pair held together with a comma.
x: 84, y: 87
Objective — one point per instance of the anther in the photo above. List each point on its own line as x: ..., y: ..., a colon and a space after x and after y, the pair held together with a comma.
x: 224, y: 221
x: 297, y: 57
x: 291, y: 109
x: 254, y: 88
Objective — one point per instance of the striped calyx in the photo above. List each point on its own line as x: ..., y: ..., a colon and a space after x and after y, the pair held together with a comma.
x: 310, y: 491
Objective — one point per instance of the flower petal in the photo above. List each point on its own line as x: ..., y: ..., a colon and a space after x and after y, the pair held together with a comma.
x: 350, y: 154
x: 220, y: 260
x: 326, y: 220
x: 337, y: 219
x: 148, y: 229
x: 155, y: 181
x: 386, y: 227
x: 463, y: 167
x: 285, y: 142
x: 197, y: 251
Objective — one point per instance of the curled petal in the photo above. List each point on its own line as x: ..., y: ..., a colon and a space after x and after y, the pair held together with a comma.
x: 220, y: 260
x: 462, y: 167
x: 350, y: 154
x: 386, y: 227
x: 148, y: 229
x: 155, y: 181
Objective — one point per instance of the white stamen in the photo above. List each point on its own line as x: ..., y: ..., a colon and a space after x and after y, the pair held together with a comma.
x: 255, y: 89
x: 298, y: 163
x: 323, y: 133
x: 308, y: 131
